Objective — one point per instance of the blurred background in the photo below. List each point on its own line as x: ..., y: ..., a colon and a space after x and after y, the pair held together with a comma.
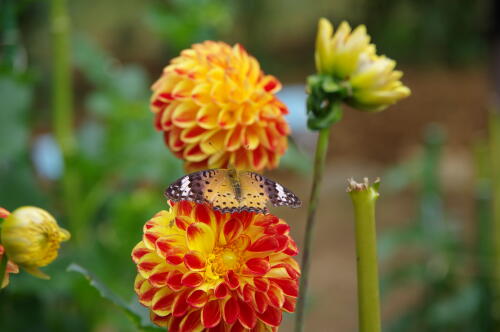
x: 432, y: 152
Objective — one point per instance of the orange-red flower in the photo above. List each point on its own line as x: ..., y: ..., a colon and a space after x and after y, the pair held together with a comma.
x: 217, y: 109
x: 201, y: 270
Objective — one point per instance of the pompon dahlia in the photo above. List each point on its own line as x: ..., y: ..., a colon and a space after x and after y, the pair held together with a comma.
x: 201, y: 270
x: 217, y: 108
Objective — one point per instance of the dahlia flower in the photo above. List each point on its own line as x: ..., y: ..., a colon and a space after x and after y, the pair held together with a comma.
x: 217, y: 108
x: 201, y: 270
x: 31, y: 238
x: 347, y: 55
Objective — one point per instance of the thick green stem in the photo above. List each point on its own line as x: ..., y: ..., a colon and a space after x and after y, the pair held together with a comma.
x: 319, y: 165
x: 494, y: 133
x: 364, y: 197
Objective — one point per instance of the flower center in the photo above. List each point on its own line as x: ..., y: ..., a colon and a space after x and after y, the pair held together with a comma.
x: 224, y: 259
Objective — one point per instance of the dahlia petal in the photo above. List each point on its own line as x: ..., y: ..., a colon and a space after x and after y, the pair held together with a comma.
x: 289, y: 286
x: 159, y: 276
x: 247, y: 316
x: 180, y: 306
x: 221, y: 291
x: 139, y: 251
x: 231, y: 280
x: 237, y: 327
x: 162, y: 321
x: 174, y: 280
x: 213, y: 141
x: 232, y: 229
x: 260, y: 302
x: 200, y: 237
x: 192, y: 279
x: 148, y: 262
x: 182, y: 222
x: 242, y: 242
x: 251, y: 138
x: 282, y: 242
x: 211, y: 314
x: 272, y: 316
x: 240, y: 158
x: 233, y: 139
x: 227, y: 118
x: 191, y: 323
x: 193, y: 153
x: 271, y: 84
x: 197, y: 299
x: 183, y: 208
x: 248, y: 114
x: 289, y: 304
x: 192, y: 135
x: 258, y: 266
x: 230, y: 310
x: 276, y: 296
x: 184, y: 115
x: 247, y: 294
x: 258, y: 158
x: 162, y: 301
x: 194, y: 261
x: 174, y: 259
x: 262, y: 284
x: 264, y: 243
x: 203, y: 213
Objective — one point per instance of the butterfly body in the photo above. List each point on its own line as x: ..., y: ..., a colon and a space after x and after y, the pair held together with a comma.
x: 231, y: 190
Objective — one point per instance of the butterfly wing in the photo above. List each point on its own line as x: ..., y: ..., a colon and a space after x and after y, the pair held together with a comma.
x: 257, y: 190
x: 211, y: 186
x: 254, y: 197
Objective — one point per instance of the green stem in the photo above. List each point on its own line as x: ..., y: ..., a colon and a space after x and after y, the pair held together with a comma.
x: 62, y: 104
x: 3, y: 268
x: 61, y: 82
x: 364, y: 197
x: 494, y: 123
x: 319, y: 165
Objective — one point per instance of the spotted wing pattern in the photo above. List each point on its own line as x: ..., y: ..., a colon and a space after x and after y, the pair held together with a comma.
x: 212, y: 186
x: 231, y: 191
x: 257, y: 190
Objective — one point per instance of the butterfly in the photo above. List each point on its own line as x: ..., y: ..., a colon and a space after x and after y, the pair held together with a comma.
x: 231, y: 190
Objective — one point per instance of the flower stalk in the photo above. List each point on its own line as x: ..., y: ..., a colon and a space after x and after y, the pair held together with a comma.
x: 319, y: 165
x: 364, y: 197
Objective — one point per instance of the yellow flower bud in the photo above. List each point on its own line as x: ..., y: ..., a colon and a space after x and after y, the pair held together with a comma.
x: 31, y: 238
x: 351, y: 60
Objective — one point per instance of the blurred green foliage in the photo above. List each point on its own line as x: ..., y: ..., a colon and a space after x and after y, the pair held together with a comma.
x: 430, y: 254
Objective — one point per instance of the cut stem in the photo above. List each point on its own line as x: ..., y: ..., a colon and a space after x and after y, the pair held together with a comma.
x: 319, y: 165
x: 364, y: 197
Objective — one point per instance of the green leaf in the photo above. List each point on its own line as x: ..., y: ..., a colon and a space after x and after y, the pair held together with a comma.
x: 136, y: 313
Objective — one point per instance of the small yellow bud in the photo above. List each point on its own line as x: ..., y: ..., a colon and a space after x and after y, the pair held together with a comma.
x: 32, y: 237
x: 351, y: 60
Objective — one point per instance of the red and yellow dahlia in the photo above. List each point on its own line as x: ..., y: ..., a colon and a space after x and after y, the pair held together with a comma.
x: 201, y: 270
x: 217, y: 108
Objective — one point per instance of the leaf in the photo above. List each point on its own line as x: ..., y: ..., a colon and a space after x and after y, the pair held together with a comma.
x: 136, y: 313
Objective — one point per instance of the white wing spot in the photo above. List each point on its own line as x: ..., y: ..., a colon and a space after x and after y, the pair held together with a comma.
x: 281, y: 191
